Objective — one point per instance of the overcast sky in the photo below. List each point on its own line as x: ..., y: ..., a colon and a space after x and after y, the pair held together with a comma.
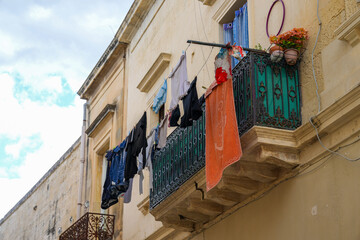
x: 47, y: 49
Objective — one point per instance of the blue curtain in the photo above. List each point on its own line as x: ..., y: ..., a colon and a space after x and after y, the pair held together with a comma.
x: 238, y: 31
x: 236, y: 35
x: 244, y: 32
x: 228, y: 33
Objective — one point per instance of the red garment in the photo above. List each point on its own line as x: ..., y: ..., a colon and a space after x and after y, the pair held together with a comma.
x: 223, y: 66
x: 222, y: 137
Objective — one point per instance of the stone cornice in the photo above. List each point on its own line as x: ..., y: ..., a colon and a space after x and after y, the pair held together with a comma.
x: 333, y: 117
x: 350, y: 30
x: 105, y: 62
x: 108, y: 110
x: 133, y: 19
x: 223, y: 9
x: 158, y: 67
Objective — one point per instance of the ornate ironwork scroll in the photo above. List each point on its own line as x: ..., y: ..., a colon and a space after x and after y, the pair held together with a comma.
x: 91, y: 226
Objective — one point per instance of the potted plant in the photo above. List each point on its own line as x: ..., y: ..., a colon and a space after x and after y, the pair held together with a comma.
x: 277, y: 53
x: 292, y: 41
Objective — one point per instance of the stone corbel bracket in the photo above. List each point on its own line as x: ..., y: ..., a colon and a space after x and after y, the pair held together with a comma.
x: 143, y: 206
x: 208, y: 2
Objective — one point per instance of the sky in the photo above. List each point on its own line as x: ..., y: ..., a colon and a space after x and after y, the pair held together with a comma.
x: 47, y: 50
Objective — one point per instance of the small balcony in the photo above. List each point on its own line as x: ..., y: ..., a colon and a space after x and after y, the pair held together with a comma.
x: 268, y: 104
x: 94, y: 226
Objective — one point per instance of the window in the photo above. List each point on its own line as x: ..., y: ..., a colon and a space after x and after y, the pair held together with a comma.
x: 161, y: 113
x: 237, y: 31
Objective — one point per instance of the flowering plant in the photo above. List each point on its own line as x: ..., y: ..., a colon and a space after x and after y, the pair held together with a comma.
x: 294, y: 38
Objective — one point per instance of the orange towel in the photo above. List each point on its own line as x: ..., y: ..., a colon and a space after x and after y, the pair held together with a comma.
x: 222, y: 136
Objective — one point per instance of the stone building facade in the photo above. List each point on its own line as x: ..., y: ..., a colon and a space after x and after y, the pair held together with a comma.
x: 287, y: 185
x: 50, y: 206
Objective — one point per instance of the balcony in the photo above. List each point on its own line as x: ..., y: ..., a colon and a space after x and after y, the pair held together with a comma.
x: 91, y: 226
x: 268, y: 103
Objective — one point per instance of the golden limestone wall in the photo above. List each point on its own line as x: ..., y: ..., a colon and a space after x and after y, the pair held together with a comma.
x: 105, y: 136
x: 335, y: 61
x: 50, y: 207
x: 166, y: 28
x: 318, y: 205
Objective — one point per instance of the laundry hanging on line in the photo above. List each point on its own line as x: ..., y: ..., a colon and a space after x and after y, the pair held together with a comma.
x: 160, y: 98
x: 115, y: 185
x: 179, y: 81
x: 222, y: 143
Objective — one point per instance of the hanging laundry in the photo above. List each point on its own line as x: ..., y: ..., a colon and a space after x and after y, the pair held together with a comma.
x: 150, y: 143
x: 160, y: 97
x: 157, y: 133
x: 223, y: 66
x: 179, y: 81
x: 136, y: 144
x: 149, y: 165
x: 127, y: 196
x: 106, y: 199
x: 192, y: 107
x: 202, y: 100
x: 118, y: 184
x: 174, y: 117
x: 237, y: 52
x: 162, y: 132
x: 222, y: 146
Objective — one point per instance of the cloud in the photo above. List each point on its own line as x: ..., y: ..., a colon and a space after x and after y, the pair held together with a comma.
x: 48, y: 48
x: 39, y: 13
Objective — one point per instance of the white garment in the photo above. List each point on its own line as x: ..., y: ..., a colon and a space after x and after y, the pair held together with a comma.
x: 179, y: 81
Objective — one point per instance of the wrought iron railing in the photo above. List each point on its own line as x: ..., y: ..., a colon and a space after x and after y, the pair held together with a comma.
x: 265, y: 94
x: 179, y: 160
x: 91, y: 226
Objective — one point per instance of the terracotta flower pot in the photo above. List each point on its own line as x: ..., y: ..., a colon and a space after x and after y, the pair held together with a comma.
x: 291, y: 55
x: 277, y: 53
x: 275, y: 48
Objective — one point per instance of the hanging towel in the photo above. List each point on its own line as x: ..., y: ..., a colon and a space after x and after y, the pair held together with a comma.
x: 162, y: 132
x: 192, y: 107
x: 179, y: 81
x: 222, y: 147
x: 160, y: 98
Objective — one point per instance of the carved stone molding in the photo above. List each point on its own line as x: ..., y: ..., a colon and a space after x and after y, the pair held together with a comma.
x: 350, y: 30
x: 224, y: 8
x: 143, y: 206
x: 158, y: 67
x: 108, y: 110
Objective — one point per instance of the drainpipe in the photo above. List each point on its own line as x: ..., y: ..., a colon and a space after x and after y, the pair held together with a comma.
x: 82, y: 163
